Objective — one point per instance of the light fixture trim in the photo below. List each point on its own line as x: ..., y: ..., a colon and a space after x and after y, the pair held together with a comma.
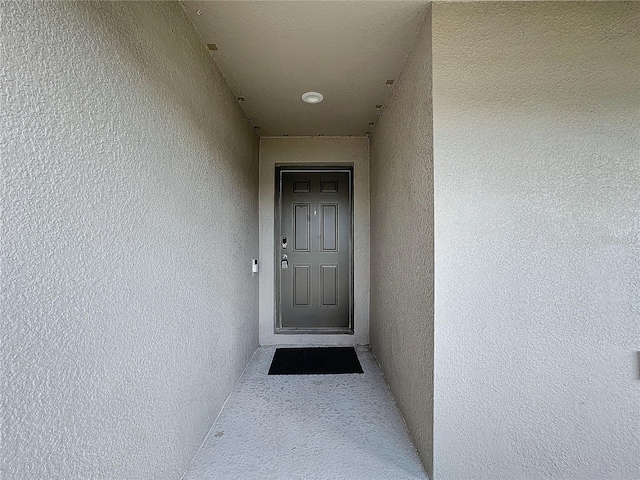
x: 312, y: 97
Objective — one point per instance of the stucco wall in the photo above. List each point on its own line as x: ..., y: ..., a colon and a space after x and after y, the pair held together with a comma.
x: 322, y: 150
x: 129, y: 196
x: 402, y: 243
x: 537, y: 195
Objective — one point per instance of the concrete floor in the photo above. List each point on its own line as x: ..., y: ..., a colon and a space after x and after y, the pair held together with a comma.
x: 308, y: 427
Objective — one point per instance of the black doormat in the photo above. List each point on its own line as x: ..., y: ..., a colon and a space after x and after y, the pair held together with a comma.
x: 315, y: 361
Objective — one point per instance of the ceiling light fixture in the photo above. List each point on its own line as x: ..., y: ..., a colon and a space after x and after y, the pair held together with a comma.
x: 312, y: 97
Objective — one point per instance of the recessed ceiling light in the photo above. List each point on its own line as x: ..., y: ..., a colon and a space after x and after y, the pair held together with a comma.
x: 312, y: 97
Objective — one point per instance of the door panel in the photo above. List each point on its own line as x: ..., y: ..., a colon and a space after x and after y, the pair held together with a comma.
x: 301, y: 286
x: 314, y: 251
x: 329, y: 283
x: 302, y: 227
x: 329, y: 221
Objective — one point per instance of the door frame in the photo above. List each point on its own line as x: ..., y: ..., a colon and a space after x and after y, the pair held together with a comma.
x: 319, y: 168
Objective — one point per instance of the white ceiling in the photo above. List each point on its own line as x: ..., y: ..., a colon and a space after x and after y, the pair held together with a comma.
x: 271, y: 52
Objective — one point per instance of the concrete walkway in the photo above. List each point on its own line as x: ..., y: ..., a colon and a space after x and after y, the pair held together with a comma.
x: 308, y: 427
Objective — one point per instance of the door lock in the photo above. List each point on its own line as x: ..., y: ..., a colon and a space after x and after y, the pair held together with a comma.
x: 284, y: 262
x: 284, y: 243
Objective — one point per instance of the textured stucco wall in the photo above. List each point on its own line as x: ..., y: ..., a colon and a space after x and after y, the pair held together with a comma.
x: 402, y: 243
x: 537, y: 194
x: 129, y: 196
x: 322, y: 150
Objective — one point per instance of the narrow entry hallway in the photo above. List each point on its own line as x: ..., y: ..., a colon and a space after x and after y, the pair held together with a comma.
x: 308, y: 426
x: 451, y: 188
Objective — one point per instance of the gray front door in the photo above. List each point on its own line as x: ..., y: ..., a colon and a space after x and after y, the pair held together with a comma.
x: 314, y: 251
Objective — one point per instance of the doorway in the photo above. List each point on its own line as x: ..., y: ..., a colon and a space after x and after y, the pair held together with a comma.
x: 314, y: 250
